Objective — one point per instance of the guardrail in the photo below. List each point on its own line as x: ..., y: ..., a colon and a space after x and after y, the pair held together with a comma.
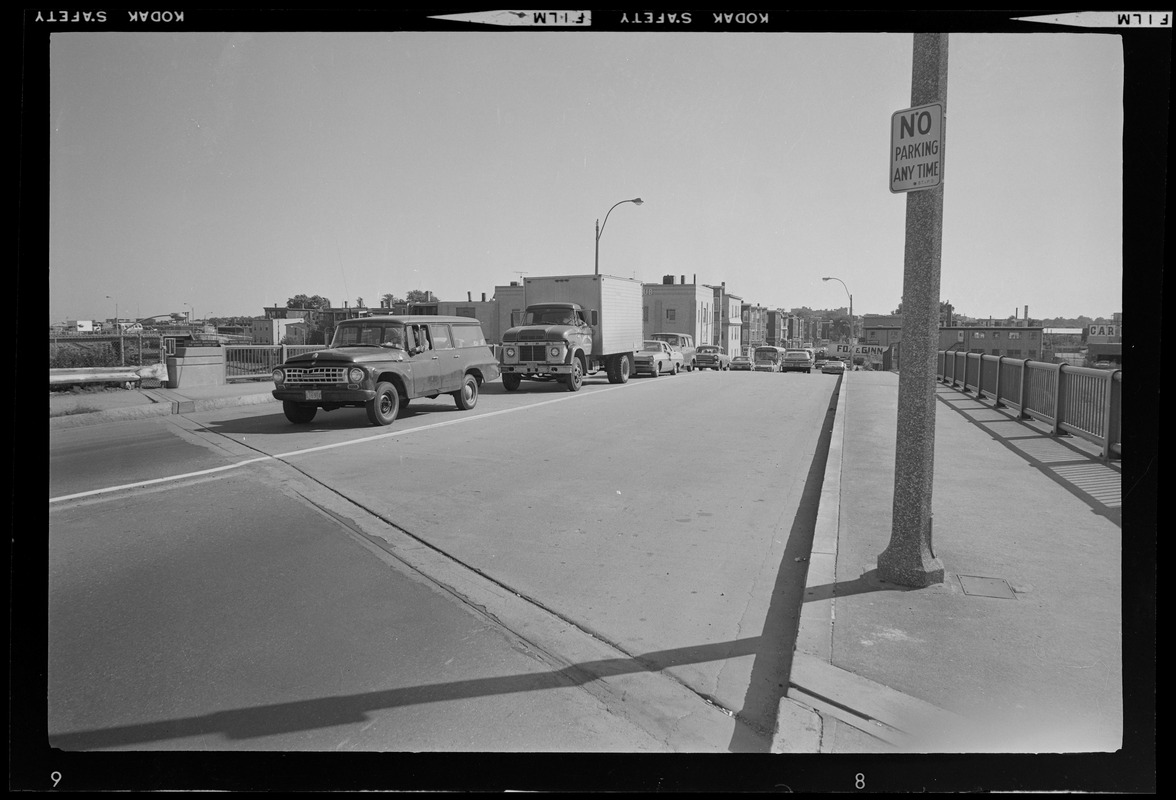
x: 250, y: 362
x: 1080, y: 401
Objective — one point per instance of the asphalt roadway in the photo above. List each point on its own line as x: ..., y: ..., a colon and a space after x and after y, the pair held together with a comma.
x: 1020, y: 650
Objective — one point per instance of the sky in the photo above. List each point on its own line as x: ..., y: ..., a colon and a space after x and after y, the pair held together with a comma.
x: 219, y: 173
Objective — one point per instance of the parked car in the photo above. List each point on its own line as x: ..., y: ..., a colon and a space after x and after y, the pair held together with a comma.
x: 382, y: 363
x: 683, y: 342
x: 741, y: 363
x: 833, y: 366
x: 712, y: 356
x: 656, y: 357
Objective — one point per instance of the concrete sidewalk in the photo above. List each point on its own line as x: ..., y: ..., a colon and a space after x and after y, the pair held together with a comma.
x: 1019, y: 650
x: 68, y: 410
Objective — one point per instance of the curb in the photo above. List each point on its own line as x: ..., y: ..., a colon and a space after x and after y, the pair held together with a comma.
x: 798, y: 726
x: 163, y: 403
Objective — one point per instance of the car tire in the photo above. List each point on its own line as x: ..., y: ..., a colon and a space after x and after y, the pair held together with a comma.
x: 298, y: 413
x: 624, y: 369
x: 511, y: 381
x: 674, y: 371
x: 655, y: 370
x: 385, y: 406
x: 467, y: 396
x: 575, y: 378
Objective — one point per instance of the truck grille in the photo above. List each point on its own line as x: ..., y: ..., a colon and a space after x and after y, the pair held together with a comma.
x: 532, y: 352
x: 316, y: 375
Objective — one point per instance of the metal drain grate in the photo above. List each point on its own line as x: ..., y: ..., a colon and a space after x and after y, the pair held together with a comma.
x: 986, y: 587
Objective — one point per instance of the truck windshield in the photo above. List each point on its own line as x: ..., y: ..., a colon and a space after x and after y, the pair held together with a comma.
x: 549, y: 316
x: 772, y: 355
x: 371, y: 335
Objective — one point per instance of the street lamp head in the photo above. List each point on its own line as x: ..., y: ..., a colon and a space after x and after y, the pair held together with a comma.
x: 637, y: 201
x: 826, y: 279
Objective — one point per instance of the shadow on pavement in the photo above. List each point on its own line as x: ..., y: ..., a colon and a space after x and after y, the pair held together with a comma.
x: 1069, y: 461
x: 280, y: 718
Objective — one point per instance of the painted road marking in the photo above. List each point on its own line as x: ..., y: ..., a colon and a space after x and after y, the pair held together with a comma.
x: 293, y: 453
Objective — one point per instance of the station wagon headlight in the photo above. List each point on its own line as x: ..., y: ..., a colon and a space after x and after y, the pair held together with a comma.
x: 279, y: 375
x: 355, y: 375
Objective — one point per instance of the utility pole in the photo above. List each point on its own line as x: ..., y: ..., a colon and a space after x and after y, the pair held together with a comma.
x: 909, y: 559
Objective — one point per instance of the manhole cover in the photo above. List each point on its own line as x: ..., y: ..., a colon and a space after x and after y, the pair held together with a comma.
x: 986, y: 587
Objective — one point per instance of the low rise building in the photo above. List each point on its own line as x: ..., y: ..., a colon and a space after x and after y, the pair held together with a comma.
x: 670, y: 307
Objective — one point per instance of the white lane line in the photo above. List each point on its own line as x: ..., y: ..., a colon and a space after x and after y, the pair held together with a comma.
x: 282, y: 456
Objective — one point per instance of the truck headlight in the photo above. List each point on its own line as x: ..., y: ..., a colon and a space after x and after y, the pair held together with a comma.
x: 555, y: 352
x: 355, y: 375
x: 511, y: 352
x: 279, y: 375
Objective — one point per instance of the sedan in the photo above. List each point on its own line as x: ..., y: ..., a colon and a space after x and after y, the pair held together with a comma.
x: 711, y: 356
x: 656, y: 357
x: 833, y: 367
x: 741, y: 362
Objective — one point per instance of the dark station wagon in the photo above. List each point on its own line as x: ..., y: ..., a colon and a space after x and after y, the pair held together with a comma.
x: 382, y: 363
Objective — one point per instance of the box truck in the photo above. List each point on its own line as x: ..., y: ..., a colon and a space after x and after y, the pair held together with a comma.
x: 573, y: 326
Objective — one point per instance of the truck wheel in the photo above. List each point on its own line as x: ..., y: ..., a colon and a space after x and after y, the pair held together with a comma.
x: 511, y: 381
x: 383, y: 408
x: 298, y: 413
x: 467, y: 397
x: 624, y: 369
x: 575, y: 378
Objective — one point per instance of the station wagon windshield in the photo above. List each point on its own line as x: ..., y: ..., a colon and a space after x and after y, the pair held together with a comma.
x: 371, y: 335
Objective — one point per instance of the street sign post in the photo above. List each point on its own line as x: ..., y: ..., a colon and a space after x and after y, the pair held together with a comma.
x: 916, y: 148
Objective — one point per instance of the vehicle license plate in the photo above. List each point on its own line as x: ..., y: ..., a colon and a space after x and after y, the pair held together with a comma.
x: 314, y: 394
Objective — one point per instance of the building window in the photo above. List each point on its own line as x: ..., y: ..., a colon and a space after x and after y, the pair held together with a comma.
x: 1014, y: 354
x: 1014, y: 334
x: 671, y: 314
x: 465, y: 311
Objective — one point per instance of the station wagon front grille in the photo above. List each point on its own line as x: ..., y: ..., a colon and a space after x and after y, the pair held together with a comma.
x: 316, y: 375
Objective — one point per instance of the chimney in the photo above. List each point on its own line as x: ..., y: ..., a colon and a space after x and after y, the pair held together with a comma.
x: 469, y: 297
x: 683, y: 279
x: 1026, y: 315
x: 483, y: 297
x: 667, y: 280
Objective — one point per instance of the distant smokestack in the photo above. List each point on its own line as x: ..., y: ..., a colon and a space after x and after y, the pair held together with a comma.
x: 1026, y: 314
x: 469, y: 297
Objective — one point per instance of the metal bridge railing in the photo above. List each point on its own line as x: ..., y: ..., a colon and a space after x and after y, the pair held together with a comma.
x: 1080, y: 401
x: 249, y: 362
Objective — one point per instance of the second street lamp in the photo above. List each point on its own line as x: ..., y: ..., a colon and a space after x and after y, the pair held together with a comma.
x: 600, y: 227
x: 851, y: 336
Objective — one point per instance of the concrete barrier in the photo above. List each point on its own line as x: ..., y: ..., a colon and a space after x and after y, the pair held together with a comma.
x: 196, y: 366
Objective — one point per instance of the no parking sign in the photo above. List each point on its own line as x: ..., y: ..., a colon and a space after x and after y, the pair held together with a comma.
x: 916, y: 148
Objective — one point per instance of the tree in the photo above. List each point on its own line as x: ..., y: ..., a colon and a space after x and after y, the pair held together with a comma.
x: 419, y: 296
x: 303, y: 301
x: 388, y: 300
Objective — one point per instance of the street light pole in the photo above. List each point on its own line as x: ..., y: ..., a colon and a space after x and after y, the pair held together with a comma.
x: 852, y: 338
x: 600, y: 227
x: 108, y: 297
